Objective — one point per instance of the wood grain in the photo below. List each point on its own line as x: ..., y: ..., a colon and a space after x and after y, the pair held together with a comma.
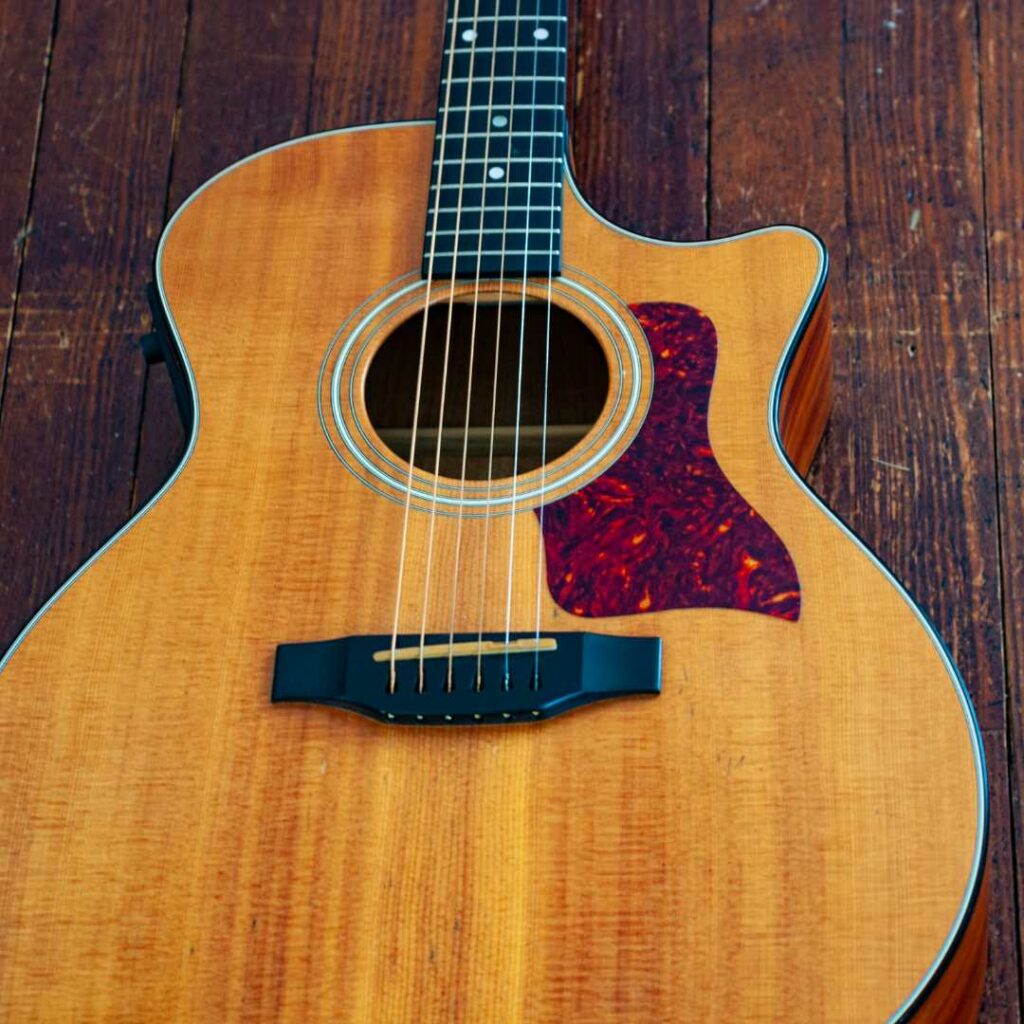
x: 777, y: 127
x: 1001, y: 51
x: 781, y: 131
x: 917, y: 307
x: 763, y: 175
x: 838, y: 134
x: 916, y: 354
x: 74, y: 373
x: 647, y: 172
x: 629, y: 863
x: 807, y: 392
x: 257, y: 60
x: 957, y: 995
x: 24, y: 62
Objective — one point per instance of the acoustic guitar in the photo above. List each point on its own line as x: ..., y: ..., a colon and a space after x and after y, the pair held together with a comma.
x: 487, y: 657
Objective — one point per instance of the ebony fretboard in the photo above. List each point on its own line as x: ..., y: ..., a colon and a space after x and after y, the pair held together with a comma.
x: 495, y: 203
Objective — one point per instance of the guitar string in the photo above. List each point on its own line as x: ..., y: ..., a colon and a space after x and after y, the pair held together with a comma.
x: 432, y: 529
x: 497, y: 348
x: 472, y: 346
x: 547, y: 365
x: 519, y: 369
x: 392, y: 674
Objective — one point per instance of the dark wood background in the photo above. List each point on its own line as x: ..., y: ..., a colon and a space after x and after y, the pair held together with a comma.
x: 896, y: 131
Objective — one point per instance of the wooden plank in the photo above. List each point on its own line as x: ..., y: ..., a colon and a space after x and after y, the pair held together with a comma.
x: 25, y: 38
x: 777, y: 123
x: 639, y: 117
x: 1002, y: 54
x: 910, y: 462
x: 257, y: 60
x: 1002, y: 991
x: 777, y: 116
x: 74, y: 370
x: 911, y: 459
x: 377, y: 62
x: 777, y: 120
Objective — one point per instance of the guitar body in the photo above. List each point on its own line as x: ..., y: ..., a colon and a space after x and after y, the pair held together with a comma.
x: 792, y: 830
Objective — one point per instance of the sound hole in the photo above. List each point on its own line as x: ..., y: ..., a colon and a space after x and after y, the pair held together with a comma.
x: 577, y: 386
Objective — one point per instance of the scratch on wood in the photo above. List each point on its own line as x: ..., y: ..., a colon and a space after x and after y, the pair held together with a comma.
x: 22, y: 237
x: 892, y: 465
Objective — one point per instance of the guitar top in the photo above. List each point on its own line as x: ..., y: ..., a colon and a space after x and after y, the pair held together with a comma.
x: 487, y: 657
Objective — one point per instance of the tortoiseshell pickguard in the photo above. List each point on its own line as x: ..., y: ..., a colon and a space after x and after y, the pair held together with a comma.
x: 664, y: 528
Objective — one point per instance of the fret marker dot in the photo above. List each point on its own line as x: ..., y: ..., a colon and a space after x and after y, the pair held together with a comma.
x: 496, y: 173
x: 499, y: 121
x: 540, y: 33
x: 469, y: 35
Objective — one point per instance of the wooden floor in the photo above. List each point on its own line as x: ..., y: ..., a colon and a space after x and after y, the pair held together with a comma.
x: 896, y: 131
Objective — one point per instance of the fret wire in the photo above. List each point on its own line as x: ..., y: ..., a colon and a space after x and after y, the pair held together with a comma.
x: 473, y: 19
x: 496, y: 136
x: 540, y: 110
x: 511, y: 49
x: 546, y: 230
x: 489, y: 231
x: 502, y: 159
x: 525, y: 79
x: 497, y: 209
x: 498, y: 183
x: 538, y: 106
x: 542, y: 117
x: 497, y: 252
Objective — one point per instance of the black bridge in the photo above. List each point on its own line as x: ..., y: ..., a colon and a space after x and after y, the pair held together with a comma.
x: 467, y: 679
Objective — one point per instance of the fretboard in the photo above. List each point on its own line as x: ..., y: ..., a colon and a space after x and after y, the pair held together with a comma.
x: 495, y: 202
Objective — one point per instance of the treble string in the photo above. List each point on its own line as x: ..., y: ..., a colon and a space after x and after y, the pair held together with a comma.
x: 392, y: 675
x: 497, y: 348
x: 472, y: 353
x: 421, y: 679
x: 544, y: 409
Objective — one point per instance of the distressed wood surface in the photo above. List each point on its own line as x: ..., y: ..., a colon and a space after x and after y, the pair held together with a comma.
x: 25, y: 39
x: 918, y: 431
x: 72, y: 387
x: 870, y: 124
x: 1001, y: 35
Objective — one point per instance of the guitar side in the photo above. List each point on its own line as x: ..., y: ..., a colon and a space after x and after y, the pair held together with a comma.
x: 179, y: 849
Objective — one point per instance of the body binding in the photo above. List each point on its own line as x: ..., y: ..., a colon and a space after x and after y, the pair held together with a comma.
x: 794, y: 829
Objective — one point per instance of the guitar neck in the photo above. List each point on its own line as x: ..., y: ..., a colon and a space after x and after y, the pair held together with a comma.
x: 495, y: 204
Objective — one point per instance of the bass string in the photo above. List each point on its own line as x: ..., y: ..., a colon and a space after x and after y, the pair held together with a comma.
x: 392, y: 673
x: 473, y: 32
x: 471, y: 362
x: 497, y: 349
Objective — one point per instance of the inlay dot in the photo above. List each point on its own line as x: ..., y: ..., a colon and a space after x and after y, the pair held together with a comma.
x: 499, y: 120
x: 540, y: 33
x: 469, y: 35
x: 496, y: 173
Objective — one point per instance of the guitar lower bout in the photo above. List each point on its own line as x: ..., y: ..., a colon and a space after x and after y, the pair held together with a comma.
x: 791, y: 826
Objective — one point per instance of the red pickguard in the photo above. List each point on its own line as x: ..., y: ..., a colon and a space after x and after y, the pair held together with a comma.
x: 664, y: 528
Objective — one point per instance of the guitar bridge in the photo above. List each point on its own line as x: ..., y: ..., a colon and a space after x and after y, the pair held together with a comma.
x: 466, y: 678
